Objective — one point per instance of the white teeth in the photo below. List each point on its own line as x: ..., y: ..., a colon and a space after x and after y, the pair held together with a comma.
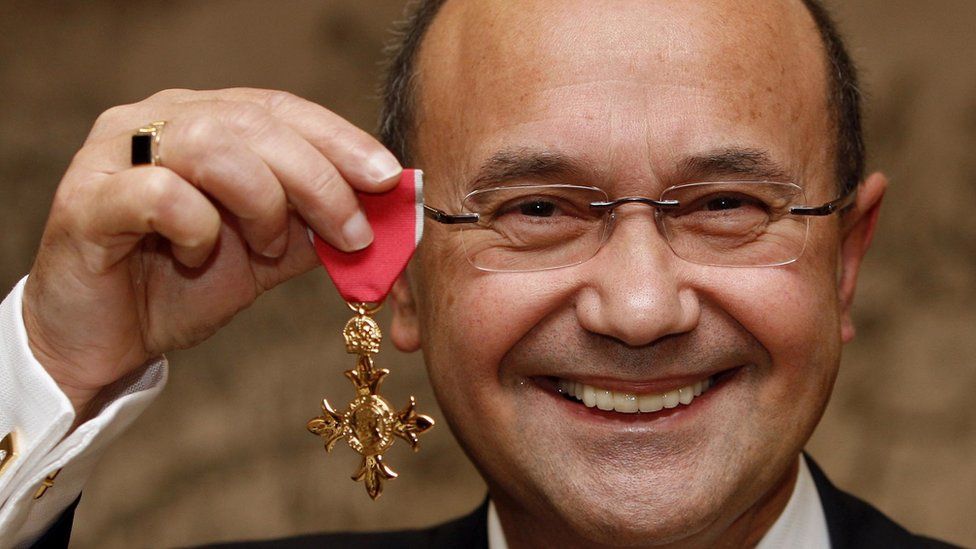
x: 625, y: 402
x: 650, y: 403
x: 630, y: 403
x: 589, y: 396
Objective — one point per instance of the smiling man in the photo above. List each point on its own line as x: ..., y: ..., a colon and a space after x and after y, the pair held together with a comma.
x: 634, y: 337
x: 633, y: 98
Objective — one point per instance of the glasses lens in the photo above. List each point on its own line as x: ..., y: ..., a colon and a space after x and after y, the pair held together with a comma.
x: 533, y: 227
x: 740, y: 223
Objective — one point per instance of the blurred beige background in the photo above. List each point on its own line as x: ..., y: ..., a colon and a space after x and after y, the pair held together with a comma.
x: 224, y: 454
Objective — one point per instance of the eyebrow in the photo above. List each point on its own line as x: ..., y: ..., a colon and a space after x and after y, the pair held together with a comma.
x: 524, y: 162
x: 744, y: 162
x: 512, y: 164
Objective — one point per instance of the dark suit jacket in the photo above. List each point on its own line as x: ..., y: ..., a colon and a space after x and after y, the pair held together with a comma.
x: 852, y: 524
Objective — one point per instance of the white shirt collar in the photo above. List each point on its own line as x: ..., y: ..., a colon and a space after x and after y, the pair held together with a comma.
x: 496, y: 536
x: 801, y: 525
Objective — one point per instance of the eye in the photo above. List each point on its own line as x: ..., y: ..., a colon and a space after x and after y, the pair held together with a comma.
x: 537, y: 208
x: 722, y: 207
x: 723, y: 203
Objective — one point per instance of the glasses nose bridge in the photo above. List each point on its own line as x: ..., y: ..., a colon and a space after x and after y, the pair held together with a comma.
x: 657, y: 205
x: 610, y: 210
x: 610, y: 207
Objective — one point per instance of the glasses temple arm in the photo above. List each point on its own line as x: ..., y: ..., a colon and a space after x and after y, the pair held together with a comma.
x: 828, y: 208
x: 449, y: 219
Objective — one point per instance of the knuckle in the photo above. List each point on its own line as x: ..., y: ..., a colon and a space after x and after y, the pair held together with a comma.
x: 208, y: 153
x: 77, y: 198
x: 196, y: 137
x: 198, y: 130
x: 251, y: 119
x: 255, y: 197
x: 65, y: 208
x: 266, y: 194
x: 112, y: 118
x: 77, y: 209
x: 160, y: 196
x: 170, y: 95
x: 277, y: 99
x: 158, y: 187
x: 328, y: 186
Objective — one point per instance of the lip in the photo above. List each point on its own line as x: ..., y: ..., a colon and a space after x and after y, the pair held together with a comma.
x: 643, y: 387
x: 700, y: 404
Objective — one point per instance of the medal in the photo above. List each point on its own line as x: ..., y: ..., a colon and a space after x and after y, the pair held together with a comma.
x: 370, y: 424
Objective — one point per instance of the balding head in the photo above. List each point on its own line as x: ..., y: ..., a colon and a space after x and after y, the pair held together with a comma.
x: 843, y: 94
x: 607, y: 75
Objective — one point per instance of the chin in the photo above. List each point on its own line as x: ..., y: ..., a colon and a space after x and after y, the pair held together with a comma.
x: 627, y: 519
x: 633, y: 496
x: 630, y: 488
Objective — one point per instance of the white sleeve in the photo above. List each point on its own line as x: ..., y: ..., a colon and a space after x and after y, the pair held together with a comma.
x: 36, y: 415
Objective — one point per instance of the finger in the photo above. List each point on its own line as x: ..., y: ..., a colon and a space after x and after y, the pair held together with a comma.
x: 362, y: 160
x: 200, y: 149
x: 145, y: 200
x: 311, y: 181
x: 298, y: 258
x: 205, y: 152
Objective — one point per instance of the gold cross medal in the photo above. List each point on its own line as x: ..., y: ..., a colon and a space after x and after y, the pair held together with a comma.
x: 370, y: 424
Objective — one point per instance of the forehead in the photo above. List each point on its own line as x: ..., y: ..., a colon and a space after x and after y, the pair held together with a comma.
x: 631, y: 87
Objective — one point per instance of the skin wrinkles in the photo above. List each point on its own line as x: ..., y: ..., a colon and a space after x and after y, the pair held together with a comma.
x: 574, y: 133
x: 635, y: 312
x: 559, y: 346
x: 520, y: 165
x: 594, y: 55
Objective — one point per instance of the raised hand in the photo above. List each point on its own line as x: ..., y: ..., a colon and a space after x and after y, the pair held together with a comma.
x: 137, y: 261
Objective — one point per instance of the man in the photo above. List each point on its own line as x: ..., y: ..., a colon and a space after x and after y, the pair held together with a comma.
x: 707, y: 304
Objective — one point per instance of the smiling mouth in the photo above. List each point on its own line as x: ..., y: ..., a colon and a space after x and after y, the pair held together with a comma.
x: 632, y: 403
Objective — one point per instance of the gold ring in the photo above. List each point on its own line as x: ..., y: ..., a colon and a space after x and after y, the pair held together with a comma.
x: 145, y: 144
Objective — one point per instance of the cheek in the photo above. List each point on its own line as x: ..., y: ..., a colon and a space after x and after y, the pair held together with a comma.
x: 792, y: 311
x: 485, y: 314
x: 471, y: 319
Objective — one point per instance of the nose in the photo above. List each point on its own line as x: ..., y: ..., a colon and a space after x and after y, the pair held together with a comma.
x: 636, y: 290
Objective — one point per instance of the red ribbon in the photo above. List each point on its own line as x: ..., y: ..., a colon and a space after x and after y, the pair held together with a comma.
x: 397, y: 218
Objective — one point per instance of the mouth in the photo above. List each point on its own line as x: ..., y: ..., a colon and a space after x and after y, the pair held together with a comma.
x: 604, y: 400
x: 632, y: 403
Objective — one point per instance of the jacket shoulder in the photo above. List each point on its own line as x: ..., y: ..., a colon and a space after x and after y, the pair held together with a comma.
x: 855, y: 524
x: 468, y: 531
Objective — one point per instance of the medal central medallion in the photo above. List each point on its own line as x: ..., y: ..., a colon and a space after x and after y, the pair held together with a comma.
x: 371, y: 422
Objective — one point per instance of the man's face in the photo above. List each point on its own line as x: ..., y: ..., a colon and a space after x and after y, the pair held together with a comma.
x: 643, y: 95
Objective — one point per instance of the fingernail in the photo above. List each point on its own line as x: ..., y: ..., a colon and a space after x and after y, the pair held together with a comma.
x: 357, y: 232
x: 383, y: 166
x: 276, y: 248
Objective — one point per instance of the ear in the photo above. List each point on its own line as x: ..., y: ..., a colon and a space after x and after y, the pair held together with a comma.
x: 405, y: 330
x: 858, y: 230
